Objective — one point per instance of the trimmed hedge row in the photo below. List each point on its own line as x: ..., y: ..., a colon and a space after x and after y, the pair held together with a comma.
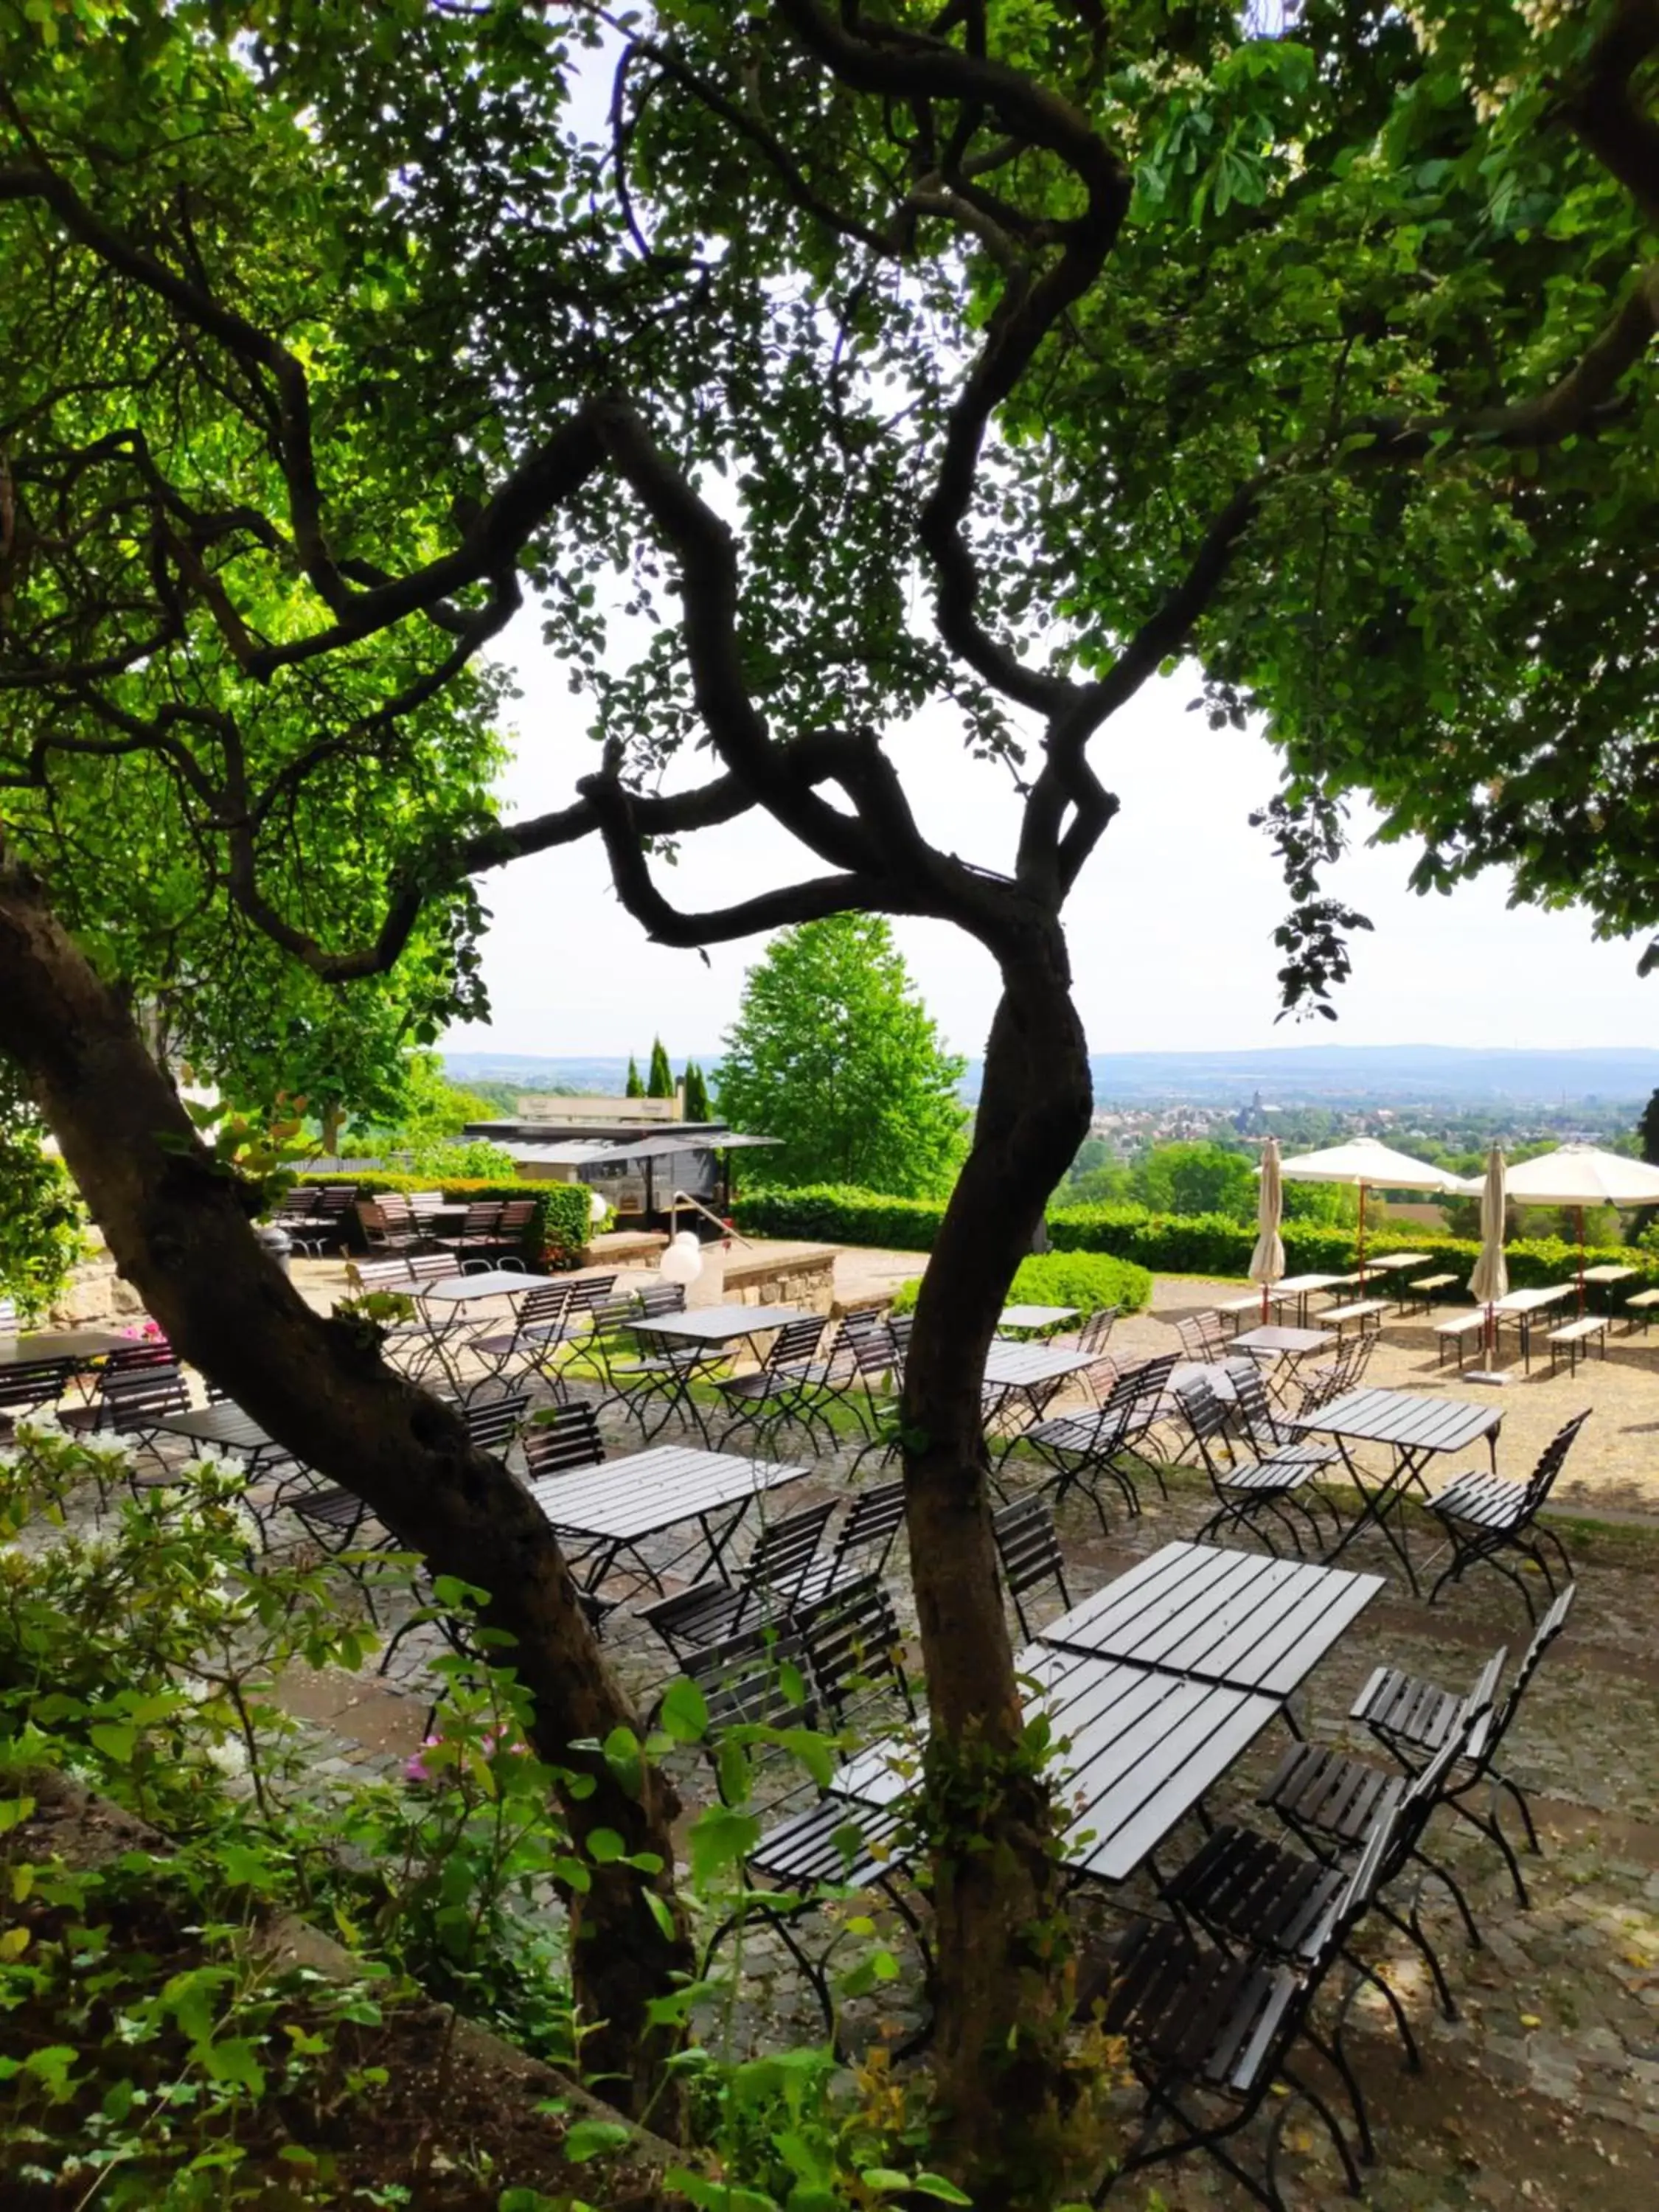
x: 1179, y: 1244
x: 1085, y: 1281
x: 559, y: 1228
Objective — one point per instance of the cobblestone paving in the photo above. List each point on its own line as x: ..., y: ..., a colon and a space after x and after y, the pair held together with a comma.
x: 1545, y: 2091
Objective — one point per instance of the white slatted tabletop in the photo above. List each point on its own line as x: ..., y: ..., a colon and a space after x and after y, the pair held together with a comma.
x: 1408, y: 1420
x: 1219, y: 1615
x: 622, y: 1499
x: 721, y: 1324
x: 1018, y: 1366
x: 488, y: 1283
x: 1140, y: 1749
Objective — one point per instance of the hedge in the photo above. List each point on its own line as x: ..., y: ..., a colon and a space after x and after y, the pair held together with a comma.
x: 1179, y: 1244
x: 559, y: 1229
x: 1085, y: 1281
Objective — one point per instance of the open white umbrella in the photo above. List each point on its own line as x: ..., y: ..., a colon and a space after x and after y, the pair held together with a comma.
x: 1580, y: 1175
x: 1267, y: 1261
x: 1373, y: 1166
x: 1490, y: 1279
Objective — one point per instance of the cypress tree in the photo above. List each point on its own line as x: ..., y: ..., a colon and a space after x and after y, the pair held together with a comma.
x: 660, y: 1083
x: 635, y: 1088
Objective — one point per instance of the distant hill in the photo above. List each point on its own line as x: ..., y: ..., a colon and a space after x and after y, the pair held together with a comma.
x: 1360, y: 1075
x: 1352, y: 1075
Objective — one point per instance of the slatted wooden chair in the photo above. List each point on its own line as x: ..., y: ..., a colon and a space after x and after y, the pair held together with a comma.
x: 1092, y: 1335
x: 1412, y: 1717
x: 1487, y: 1516
x: 1086, y: 1449
x: 788, y: 1389
x: 863, y: 1544
x: 388, y: 1226
x: 478, y: 1238
x: 129, y: 1396
x: 767, y: 1588
x: 1322, y: 1385
x: 328, y: 1222
x: 29, y: 1384
x: 535, y: 1336
x: 1028, y: 1549
x: 1250, y: 1493
x: 650, y: 1378
x: 1245, y: 1888
x: 1204, y: 1336
x: 1268, y: 1436
x: 1204, y: 2025
x: 559, y: 1441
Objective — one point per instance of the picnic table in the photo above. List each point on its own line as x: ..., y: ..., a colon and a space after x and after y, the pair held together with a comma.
x: 1524, y: 1306
x: 1219, y: 1615
x: 1302, y: 1288
x: 1030, y: 1317
x: 1607, y: 1276
x: 612, y: 1507
x: 1390, y: 1260
x: 1143, y: 1748
x: 1032, y: 1371
x: 1416, y: 1428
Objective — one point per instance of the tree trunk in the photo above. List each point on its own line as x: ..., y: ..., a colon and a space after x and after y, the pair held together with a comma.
x: 1004, y: 1985
x: 179, y: 1231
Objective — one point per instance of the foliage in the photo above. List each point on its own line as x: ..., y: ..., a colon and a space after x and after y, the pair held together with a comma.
x: 1193, y: 1244
x: 633, y: 1088
x: 147, y: 2042
x: 833, y: 1053
x: 659, y: 1080
x: 697, y: 1108
x: 1085, y: 1281
x: 42, y: 1225
x: 558, y: 1231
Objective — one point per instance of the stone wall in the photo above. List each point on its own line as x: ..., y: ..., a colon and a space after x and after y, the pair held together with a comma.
x: 96, y: 1295
x: 803, y: 1276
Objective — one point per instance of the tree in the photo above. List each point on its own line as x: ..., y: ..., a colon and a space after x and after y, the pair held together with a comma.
x: 329, y: 338
x: 696, y: 1094
x: 1196, y: 1179
x: 833, y: 1053
x: 659, y: 1082
x: 633, y: 1088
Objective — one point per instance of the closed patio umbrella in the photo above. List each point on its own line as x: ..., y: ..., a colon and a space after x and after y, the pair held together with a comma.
x: 1580, y: 1175
x: 1267, y: 1261
x: 1373, y: 1166
x: 1490, y: 1279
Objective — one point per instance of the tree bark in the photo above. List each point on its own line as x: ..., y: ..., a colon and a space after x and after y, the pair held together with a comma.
x: 1004, y: 1987
x: 179, y: 1228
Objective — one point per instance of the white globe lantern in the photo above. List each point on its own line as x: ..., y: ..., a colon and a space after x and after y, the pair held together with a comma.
x: 681, y: 1262
x: 690, y: 1238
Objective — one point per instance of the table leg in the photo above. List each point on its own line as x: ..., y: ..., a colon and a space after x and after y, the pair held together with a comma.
x: 1374, y: 1510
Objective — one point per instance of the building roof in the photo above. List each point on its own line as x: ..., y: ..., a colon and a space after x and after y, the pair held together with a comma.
x: 585, y: 1150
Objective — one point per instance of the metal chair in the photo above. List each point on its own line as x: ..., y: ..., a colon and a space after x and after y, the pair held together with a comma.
x: 864, y: 1544
x: 1092, y: 1335
x: 1028, y: 1549
x: 560, y: 1440
x: 1247, y: 1493
x: 1083, y: 1449
x: 766, y: 1590
x: 1412, y: 1717
x: 789, y: 1387
x: 1484, y: 1515
x: 1267, y: 1435
x: 534, y: 1335
x: 27, y: 1385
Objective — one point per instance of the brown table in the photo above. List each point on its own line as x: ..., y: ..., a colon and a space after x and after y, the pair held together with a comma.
x: 77, y: 1343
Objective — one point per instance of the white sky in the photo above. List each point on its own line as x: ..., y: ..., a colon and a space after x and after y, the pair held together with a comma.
x: 1170, y: 927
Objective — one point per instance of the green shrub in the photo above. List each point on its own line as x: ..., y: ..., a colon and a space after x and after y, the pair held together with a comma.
x: 1083, y: 1280
x: 559, y: 1229
x: 1177, y: 1244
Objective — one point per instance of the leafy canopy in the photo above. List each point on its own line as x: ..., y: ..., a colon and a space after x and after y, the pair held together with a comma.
x: 834, y: 1054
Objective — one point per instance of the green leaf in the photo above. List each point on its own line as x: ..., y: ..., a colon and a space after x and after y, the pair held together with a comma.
x: 935, y: 2184
x: 586, y: 2139
x: 685, y: 1713
x: 115, y: 1739
x: 604, y: 1846
x: 720, y: 1836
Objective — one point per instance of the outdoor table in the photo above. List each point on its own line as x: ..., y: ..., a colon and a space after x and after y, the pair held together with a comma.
x: 488, y: 1283
x: 1417, y: 1428
x: 1219, y: 1615
x: 721, y: 1325
x: 1141, y: 1750
x: 1301, y: 1288
x: 79, y: 1345
x: 1283, y: 1350
x: 1026, y: 1317
x: 1522, y: 1306
x: 614, y: 1506
x: 1390, y: 1260
x: 1606, y: 1277
x: 224, y: 1426
x: 1032, y: 1371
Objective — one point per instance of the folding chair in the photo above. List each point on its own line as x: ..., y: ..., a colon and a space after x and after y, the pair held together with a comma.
x: 1412, y: 1717
x: 864, y: 1544
x: 644, y: 1374
x: 326, y: 1224
x: 28, y: 1385
x: 1322, y: 1385
x: 1247, y: 1493
x: 765, y: 1590
x: 1241, y: 1888
x: 788, y: 1389
x: 387, y: 1226
x: 1486, y: 1515
x: 1082, y: 1449
x: 1204, y: 1337
x: 1091, y: 1335
x: 529, y: 1342
x: 1028, y: 1549
x: 1267, y: 1437
x: 559, y: 1441
x: 1205, y: 2024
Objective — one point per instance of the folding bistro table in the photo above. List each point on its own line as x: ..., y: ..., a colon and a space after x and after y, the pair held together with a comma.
x: 223, y: 1427
x: 1219, y: 1615
x: 1141, y: 1750
x: 717, y: 1326
x: 1024, y: 1318
x: 1281, y: 1352
x: 1032, y: 1371
x: 611, y: 1508
x: 1417, y: 1428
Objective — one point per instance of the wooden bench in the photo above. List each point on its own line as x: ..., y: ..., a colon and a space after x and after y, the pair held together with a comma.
x: 1366, y: 1312
x: 1576, y: 1334
x: 1237, y: 1310
x: 1640, y: 1309
x: 1452, y: 1333
x: 1426, y: 1288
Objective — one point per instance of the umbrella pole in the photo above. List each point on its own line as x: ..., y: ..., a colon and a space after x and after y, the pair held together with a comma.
x: 1362, y: 1240
x: 1580, y: 1211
